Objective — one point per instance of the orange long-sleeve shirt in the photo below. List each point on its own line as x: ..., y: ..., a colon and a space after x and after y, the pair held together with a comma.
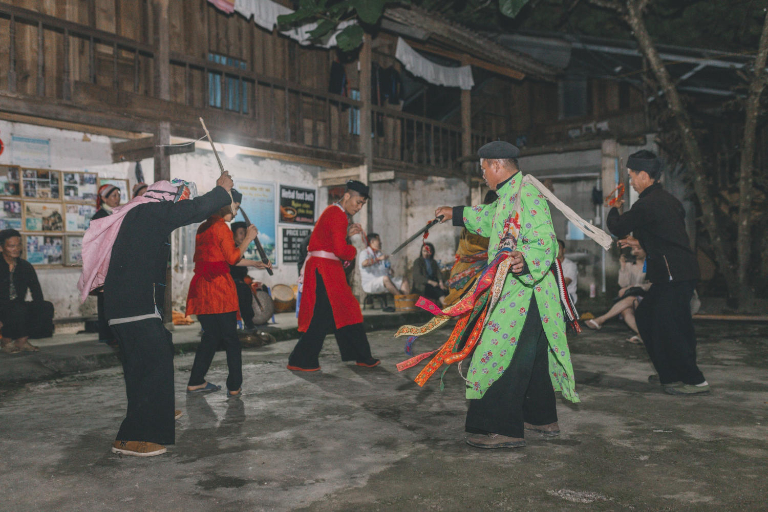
x: 212, y: 289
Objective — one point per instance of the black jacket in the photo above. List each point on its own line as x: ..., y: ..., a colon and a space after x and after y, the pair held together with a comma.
x: 135, y: 282
x: 24, y: 278
x: 100, y: 213
x: 657, y: 220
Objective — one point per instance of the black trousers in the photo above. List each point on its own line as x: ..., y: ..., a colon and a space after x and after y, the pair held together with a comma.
x: 105, y: 333
x: 352, y: 341
x: 666, y: 326
x: 524, y: 393
x: 245, y: 300
x: 147, y: 352
x: 27, y: 319
x: 219, y: 328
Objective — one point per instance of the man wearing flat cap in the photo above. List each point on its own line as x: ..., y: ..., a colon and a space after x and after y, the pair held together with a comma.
x: 657, y: 220
x: 326, y: 298
x: 522, y: 356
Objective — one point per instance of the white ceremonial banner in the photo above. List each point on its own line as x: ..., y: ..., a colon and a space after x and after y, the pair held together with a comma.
x: 431, y: 72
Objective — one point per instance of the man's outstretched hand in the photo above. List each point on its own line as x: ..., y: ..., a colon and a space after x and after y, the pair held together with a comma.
x: 446, y: 212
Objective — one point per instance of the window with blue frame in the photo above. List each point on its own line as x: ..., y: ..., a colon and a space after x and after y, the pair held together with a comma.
x: 236, y: 90
x: 354, y: 114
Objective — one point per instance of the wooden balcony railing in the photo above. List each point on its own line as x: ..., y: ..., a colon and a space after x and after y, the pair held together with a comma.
x: 57, y: 55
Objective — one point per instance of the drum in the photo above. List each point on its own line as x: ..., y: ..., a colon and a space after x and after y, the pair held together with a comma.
x: 406, y: 302
x: 263, y: 307
x: 284, y: 298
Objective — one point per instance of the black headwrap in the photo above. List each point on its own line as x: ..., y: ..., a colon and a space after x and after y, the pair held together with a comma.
x: 237, y: 196
x: 645, y: 161
x: 237, y: 225
x: 359, y: 187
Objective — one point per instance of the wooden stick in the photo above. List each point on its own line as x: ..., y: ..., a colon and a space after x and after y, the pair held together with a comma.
x: 221, y: 166
x: 259, y: 248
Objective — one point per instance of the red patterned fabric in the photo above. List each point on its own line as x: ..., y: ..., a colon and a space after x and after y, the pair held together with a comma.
x: 330, y: 234
x: 212, y: 289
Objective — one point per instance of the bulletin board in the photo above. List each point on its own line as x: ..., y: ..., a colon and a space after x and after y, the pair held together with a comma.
x: 51, y: 209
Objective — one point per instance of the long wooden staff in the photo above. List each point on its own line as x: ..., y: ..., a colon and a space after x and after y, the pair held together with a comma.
x: 259, y: 248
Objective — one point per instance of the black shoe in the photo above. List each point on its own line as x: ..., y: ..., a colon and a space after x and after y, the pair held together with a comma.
x: 388, y: 309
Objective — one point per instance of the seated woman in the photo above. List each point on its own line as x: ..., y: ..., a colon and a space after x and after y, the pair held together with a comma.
x: 20, y: 319
x: 633, y: 286
x: 426, y: 276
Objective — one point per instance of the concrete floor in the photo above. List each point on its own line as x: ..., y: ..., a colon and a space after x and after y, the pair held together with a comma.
x: 350, y: 438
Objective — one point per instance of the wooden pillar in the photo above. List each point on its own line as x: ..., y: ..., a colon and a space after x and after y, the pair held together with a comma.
x: 366, y: 143
x: 466, y: 133
x: 162, y: 64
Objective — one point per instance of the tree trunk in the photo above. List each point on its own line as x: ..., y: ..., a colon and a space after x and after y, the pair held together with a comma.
x: 691, y: 148
x: 752, y: 110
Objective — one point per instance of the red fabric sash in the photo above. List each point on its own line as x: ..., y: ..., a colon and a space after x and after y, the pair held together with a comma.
x: 211, y: 269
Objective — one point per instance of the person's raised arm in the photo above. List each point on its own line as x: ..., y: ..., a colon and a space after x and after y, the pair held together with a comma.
x: 198, y: 209
x: 338, y: 232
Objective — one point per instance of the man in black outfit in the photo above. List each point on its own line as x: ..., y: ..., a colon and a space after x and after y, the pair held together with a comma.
x: 664, y: 319
x: 134, y: 291
x: 19, y: 319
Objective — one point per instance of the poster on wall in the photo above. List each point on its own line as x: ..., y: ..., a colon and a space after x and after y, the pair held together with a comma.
x: 30, y: 152
x: 121, y: 184
x: 259, y: 204
x: 43, y: 217
x: 9, y: 180
x: 78, y: 216
x: 292, y: 238
x: 44, y: 250
x: 74, y: 250
x: 10, y: 215
x: 297, y: 205
x: 39, y: 184
x: 80, y: 186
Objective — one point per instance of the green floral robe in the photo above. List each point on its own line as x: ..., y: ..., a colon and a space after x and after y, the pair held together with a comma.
x: 538, y: 243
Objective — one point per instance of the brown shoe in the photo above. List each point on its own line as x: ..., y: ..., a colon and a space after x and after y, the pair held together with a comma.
x: 138, y: 448
x: 551, y: 430
x: 178, y: 413
x: 490, y: 441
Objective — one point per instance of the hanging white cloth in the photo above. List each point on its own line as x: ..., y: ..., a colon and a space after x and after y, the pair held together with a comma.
x: 431, y: 72
x: 265, y: 13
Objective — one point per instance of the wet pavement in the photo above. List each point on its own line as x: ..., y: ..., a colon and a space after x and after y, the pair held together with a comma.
x: 350, y: 438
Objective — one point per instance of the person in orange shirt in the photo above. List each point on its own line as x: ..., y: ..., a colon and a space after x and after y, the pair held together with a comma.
x: 213, y: 297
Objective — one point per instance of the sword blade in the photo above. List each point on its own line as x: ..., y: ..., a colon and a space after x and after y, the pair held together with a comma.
x: 417, y: 234
x: 259, y: 248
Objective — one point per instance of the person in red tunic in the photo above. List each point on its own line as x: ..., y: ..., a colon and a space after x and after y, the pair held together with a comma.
x: 213, y: 297
x: 326, y: 298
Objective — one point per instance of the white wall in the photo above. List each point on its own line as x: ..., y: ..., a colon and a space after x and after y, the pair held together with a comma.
x: 69, y: 151
x: 202, y: 168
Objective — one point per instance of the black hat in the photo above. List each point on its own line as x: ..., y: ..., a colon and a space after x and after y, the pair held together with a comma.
x: 647, y: 161
x: 359, y: 187
x: 236, y: 196
x: 237, y: 225
x: 498, y: 150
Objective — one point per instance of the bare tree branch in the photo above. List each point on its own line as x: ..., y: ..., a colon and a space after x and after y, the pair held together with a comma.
x: 642, y: 5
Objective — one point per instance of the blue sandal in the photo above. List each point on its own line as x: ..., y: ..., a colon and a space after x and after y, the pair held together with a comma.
x: 209, y: 388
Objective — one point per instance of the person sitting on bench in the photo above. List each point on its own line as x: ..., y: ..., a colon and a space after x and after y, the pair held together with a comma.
x: 375, y: 272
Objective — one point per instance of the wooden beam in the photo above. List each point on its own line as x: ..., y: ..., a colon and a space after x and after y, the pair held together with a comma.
x: 65, y: 125
x: 348, y: 173
x: 472, y: 61
x: 162, y: 63
x: 366, y: 143
x: 139, y: 149
x: 377, y: 177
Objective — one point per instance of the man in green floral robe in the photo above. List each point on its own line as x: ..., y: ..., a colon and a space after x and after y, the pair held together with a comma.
x: 522, y: 357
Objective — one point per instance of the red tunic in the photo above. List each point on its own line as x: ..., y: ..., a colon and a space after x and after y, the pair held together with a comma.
x: 330, y: 234
x: 212, y: 289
